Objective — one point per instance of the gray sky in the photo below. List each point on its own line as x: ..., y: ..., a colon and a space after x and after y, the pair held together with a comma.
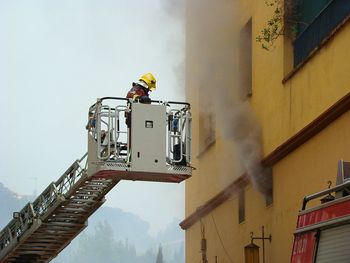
x: 56, y: 58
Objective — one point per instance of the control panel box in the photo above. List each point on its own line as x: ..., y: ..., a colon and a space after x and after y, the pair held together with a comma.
x: 148, y: 137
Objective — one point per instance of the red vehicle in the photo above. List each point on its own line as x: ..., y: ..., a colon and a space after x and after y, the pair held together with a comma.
x: 323, y: 232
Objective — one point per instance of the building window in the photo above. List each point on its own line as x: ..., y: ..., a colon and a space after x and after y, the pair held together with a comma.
x: 206, y: 131
x: 207, y: 134
x: 269, y: 186
x: 245, y: 59
x: 241, y: 206
x: 269, y: 198
x: 317, y: 21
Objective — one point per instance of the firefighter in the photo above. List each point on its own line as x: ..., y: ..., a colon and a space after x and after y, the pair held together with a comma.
x: 91, y: 122
x: 139, y: 91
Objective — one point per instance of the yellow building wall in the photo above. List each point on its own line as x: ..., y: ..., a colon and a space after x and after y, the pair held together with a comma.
x: 281, y: 109
x: 321, y: 82
x: 304, y: 171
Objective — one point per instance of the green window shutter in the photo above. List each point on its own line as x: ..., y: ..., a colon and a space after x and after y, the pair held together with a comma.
x: 308, y: 11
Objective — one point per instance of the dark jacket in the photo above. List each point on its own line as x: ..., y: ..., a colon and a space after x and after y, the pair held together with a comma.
x: 138, y: 93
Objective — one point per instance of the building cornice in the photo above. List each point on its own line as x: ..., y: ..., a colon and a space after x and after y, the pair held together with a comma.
x: 216, y: 201
x: 313, y: 128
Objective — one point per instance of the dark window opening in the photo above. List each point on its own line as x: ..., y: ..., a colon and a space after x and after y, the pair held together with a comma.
x: 241, y: 207
x: 269, y: 187
x: 245, y: 59
x: 269, y: 198
x: 207, y: 134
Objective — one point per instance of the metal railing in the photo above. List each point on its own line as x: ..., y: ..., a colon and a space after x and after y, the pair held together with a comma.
x: 337, y: 188
x: 331, y: 17
x: 23, y: 220
x: 179, y: 136
x: 111, y: 131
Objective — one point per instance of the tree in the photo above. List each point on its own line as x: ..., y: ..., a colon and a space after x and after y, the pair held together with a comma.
x: 160, y: 255
x: 98, y: 247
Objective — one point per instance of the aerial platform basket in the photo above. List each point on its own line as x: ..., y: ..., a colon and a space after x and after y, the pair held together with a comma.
x: 135, y: 141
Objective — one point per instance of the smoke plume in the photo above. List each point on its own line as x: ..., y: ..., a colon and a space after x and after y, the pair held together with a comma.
x: 213, y: 25
x: 174, y: 8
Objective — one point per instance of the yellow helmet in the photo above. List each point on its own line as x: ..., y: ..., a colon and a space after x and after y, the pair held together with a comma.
x: 150, y: 80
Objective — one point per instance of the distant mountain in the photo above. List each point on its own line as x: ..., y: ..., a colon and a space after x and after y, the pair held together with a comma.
x: 9, y: 203
x: 124, y: 237
x: 112, y: 236
x: 125, y: 226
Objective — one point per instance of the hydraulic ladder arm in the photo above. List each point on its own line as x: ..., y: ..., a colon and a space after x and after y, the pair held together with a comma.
x: 154, y: 145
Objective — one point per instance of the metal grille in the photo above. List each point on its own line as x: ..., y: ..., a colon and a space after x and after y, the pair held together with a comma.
x: 327, y: 21
x: 334, y: 245
x: 179, y: 169
x: 118, y: 165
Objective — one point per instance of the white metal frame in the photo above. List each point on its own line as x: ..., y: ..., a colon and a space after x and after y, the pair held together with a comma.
x: 116, y: 148
x: 42, y: 203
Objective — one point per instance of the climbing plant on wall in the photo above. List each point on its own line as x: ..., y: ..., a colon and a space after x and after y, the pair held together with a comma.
x: 284, y: 21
